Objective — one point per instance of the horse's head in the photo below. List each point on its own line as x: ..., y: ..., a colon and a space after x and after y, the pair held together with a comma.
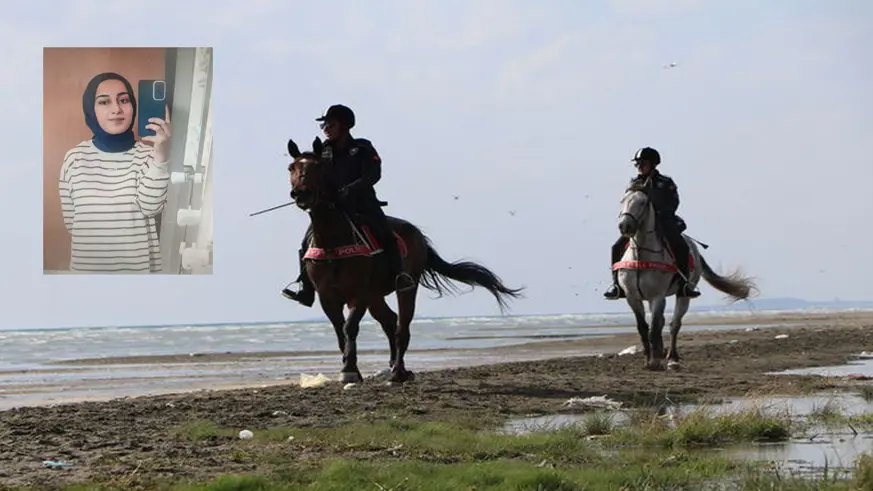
x: 636, y: 210
x: 308, y: 176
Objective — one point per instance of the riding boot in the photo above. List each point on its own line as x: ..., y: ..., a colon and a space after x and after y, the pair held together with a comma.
x: 403, y: 281
x: 614, y: 292
x: 683, y: 287
x: 305, y: 295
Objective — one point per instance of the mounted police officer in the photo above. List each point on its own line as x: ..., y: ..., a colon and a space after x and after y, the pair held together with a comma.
x: 664, y: 197
x: 356, y: 169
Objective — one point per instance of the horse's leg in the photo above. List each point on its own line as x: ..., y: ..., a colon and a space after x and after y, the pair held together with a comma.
x: 333, y: 309
x: 386, y: 318
x: 350, y: 359
x: 682, y: 304
x: 406, y: 309
x: 627, y: 280
x: 656, y: 338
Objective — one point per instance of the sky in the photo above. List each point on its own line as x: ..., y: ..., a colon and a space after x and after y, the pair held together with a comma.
x: 527, y: 113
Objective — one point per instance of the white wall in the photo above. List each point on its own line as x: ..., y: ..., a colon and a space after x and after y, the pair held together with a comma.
x: 191, y: 155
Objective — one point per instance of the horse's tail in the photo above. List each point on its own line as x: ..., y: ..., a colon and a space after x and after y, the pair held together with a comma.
x: 438, y: 270
x: 735, y: 285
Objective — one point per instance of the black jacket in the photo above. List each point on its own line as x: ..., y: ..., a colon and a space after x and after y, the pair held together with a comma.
x: 664, y: 194
x: 662, y: 191
x: 355, y: 171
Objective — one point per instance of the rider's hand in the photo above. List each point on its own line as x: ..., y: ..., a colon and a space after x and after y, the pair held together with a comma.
x: 343, y: 193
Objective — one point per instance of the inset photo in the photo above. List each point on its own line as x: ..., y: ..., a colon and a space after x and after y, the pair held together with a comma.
x: 127, y: 152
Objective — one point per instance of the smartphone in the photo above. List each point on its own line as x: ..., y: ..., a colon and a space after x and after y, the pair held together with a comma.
x: 151, y: 102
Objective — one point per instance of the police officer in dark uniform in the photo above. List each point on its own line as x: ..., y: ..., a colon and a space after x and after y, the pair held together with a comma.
x: 356, y: 169
x: 664, y: 196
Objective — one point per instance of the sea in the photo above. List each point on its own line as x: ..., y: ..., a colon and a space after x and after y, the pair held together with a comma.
x: 36, y: 368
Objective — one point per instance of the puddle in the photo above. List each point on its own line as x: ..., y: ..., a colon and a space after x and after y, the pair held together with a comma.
x: 863, y: 366
x: 829, y: 454
x: 818, y: 452
x: 847, y: 404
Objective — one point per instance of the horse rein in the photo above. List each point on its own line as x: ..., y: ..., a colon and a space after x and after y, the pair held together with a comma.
x: 639, y: 221
x: 316, y: 192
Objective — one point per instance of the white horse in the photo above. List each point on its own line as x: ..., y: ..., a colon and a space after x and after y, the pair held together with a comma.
x: 647, y: 273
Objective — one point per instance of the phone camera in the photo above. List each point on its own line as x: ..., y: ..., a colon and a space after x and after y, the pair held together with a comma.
x: 159, y: 90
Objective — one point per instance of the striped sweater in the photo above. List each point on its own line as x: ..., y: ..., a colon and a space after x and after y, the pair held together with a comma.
x: 109, y: 202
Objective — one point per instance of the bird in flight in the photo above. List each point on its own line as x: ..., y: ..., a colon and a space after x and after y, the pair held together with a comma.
x: 671, y: 65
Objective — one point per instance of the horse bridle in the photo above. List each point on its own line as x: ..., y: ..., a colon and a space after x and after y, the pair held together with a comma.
x: 316, y: 192
x: 638, y: 220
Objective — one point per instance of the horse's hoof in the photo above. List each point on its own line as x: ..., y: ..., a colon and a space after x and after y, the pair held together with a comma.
x: 673, y: 365
x: 350, y: 377
x: 655, y: 366
x: 401, y: 377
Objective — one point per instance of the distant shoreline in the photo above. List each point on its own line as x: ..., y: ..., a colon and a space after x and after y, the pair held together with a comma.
x: 803, y: 308
x: 229, y: 356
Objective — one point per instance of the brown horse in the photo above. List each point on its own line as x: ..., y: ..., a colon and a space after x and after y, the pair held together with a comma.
x: 345, y: 266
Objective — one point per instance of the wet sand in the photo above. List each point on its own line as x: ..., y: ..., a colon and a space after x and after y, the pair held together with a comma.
x: 117, y: 437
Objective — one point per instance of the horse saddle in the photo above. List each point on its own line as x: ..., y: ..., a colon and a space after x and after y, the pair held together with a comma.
x: 361, y: 226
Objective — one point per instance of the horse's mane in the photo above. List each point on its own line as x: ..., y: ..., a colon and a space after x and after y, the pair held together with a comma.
x: 638, y: 186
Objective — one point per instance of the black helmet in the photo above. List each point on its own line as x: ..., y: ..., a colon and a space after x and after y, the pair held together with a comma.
x: 647, y: 153
x: 340, y: 113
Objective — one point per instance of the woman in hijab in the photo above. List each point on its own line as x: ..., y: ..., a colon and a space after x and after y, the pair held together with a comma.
x: 112, y: 186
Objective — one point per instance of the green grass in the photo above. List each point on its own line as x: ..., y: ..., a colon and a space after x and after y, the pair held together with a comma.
x: 598, y: 423
x: 657, y: 472
x: 443, y: 442
x: 828, y: 412
x: 494, y: 475
x: 702, y: 428
x: 651, y: 453
x: 862, y: 480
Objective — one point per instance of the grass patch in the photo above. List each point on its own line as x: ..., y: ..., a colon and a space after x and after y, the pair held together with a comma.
x: 650, y: 453
x: 496, y: 475
x: 202, y: 430
x: 703, y: 427
x: 432, y: 441
x: 598, y: 423
x: 826, y: 413
x: 861, y: 480
x: 676, y: 471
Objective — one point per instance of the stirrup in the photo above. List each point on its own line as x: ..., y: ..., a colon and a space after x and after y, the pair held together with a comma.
x: 306, y: 299
x: 292, y: 294
x: 613, y: 293
x: 686, y: 290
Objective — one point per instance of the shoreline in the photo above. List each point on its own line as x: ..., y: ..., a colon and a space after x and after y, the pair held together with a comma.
x: 179, y: 374
x: 700, y: 320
